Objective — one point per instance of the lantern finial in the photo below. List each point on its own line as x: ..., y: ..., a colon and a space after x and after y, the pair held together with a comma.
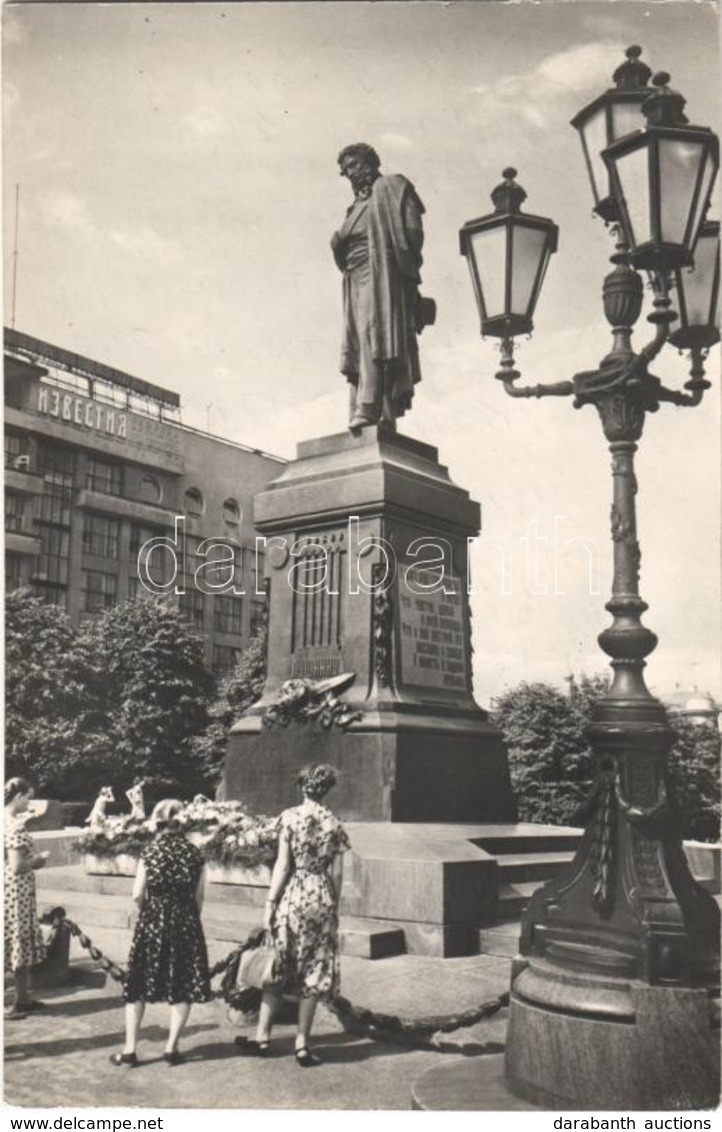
x: 508, y: 196
x: 664, y: 106
x: 632, y: 74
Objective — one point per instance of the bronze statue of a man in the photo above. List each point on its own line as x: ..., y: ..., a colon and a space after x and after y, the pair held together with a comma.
x: 378, y: 249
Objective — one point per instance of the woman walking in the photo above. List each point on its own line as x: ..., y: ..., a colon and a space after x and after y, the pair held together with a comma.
x: 301, y: 912
x: 168, y: 961
x: 23, y: 942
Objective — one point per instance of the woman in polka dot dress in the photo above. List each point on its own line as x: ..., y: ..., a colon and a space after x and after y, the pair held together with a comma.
x: 168, y: 961
x: 23, y: 941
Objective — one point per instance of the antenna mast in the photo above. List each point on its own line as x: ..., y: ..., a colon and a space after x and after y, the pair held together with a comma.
x: 15, y: 253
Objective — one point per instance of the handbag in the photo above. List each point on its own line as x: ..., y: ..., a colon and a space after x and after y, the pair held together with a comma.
x: 259, y: 966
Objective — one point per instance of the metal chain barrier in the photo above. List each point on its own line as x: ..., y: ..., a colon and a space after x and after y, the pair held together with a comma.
x: 418, y: 1032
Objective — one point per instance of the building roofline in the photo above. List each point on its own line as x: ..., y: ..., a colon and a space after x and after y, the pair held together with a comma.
x: 77, y: 363
x: 225, y: 440
x: 35, y: 347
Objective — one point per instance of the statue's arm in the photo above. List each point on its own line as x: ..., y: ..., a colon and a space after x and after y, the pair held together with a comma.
x: 413, y: 224
x: 338, y: 253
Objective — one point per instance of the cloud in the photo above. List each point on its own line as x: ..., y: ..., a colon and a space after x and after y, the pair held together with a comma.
x: 72, y: 212
x: 67, y: 210
x: 397, y: 141
x: 145, y: 243
x: 591, y: 64
x: 587, y: 66
x: 205, y: 122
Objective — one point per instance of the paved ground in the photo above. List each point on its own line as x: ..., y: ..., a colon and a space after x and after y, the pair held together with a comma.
x: 60, y: 1057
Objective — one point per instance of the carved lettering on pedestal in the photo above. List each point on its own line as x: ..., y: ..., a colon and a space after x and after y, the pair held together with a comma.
x: 432, y: 634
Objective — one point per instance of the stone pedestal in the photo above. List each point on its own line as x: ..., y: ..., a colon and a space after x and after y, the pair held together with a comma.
x: 366, y: 562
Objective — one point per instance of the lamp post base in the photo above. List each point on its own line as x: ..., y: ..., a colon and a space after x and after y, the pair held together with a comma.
x: 580, y: 1041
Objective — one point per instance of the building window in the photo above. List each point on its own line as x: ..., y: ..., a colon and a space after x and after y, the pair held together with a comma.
x: 57, y: 467
x: 231, y: 512
x: 13, y: 571
x: 53, y: 558
x: 14, y: 512
x: 159, y: 564
x: 51, y: 594
x: 55, y: 504
x: 104, y: 476
x: 16, y: 450
x: 224, y: 658
x: 193, y: 501
x: 220, y: 565
x: 99, y: 591
x: 191, y: 561
x: 190, y: 606
x: 150, y: 489
x: 227, y: 614
x: 56, y: 463
x: 100, y: 536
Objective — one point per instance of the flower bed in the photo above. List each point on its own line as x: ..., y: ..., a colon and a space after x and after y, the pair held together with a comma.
x: 230, y: 839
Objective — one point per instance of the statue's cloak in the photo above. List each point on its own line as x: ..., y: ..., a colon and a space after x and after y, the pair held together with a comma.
x: 395, y: 238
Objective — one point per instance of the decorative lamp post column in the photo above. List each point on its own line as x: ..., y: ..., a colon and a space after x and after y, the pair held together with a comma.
x: 614, y: 995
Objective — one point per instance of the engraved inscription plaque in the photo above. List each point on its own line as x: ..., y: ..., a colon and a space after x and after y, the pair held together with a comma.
x: 431, y: 633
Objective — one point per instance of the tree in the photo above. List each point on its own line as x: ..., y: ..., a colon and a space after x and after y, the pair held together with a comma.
x: 552, y: 765
x: 550, y: 761
x: 55, y: 730
x: 156, y: 689
x: 694, y: 774
x: 236, y: 693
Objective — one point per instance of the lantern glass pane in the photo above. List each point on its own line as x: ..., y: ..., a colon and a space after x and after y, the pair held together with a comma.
x: 626, y: 117
x: 528, y: 250
x: 632, y: 170
x: 679, y: 165
x: 698, y: 283
x: 705, y: 186
x: 679, y: 169
x: 595, y: 140
x: 489, y: 252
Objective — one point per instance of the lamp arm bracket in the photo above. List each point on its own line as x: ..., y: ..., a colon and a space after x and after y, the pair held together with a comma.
x: 555, y: 389
x: 661, y: 316
x: 508, y: 375
x: 684, y: 400
x: 653, y: 348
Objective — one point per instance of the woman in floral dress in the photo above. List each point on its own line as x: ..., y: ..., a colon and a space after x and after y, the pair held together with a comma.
x: 302, y: 910
x: 168, y: 961
x: 23, y: 942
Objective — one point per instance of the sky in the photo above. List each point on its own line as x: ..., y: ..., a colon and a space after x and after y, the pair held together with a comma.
x: 178, y: 191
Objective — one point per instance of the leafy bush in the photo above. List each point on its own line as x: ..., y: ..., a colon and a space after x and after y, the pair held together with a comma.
x: 552, y: 765
x: 55, y: 726
x: 121, y: 698
x: 550, y: 761
x: 237, y: 691
x: 694, y: 774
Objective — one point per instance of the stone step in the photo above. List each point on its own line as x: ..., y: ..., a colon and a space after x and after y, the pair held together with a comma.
x: 513, y: 898
x: 227, y: 922
x: 502, y: 939
x: 366, y: 939
x: 523, y: 839
x: 514, y: 867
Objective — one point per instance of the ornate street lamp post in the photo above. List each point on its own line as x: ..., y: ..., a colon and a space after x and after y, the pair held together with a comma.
x: 614, y: 993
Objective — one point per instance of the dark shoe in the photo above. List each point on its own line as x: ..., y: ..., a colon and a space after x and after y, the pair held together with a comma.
x: 129, y: 1060
x: 173, y: 1057
x: 306, y: 1059
x: 249, y: 1047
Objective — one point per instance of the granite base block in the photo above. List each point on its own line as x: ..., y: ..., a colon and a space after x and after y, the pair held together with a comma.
x: 393, y: 776
x: 664, y: 1057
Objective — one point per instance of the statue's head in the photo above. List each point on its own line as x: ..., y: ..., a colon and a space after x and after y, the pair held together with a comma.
x: 360, y: 163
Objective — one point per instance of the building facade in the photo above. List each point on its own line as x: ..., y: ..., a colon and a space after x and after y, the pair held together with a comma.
x: 108, y: 496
